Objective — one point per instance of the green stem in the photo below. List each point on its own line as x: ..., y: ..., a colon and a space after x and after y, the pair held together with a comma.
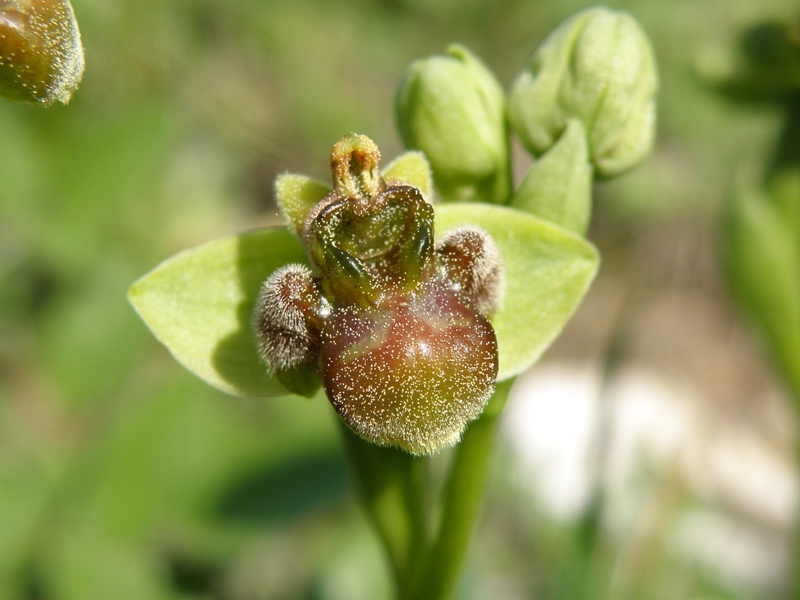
x: 783, y: 183
x: 391, y: 485
x: 794, y: 572
x: 462, y: 500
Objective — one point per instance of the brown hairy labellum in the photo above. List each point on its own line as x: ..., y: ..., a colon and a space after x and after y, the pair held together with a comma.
x: 397, y: 327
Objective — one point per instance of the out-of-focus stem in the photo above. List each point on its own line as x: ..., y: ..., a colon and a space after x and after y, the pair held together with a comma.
x: 391, y: 486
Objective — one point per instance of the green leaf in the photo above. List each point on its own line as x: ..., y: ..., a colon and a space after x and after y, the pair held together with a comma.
x: 558, y: 187
x: 199, y: 305
x: 412, y: 168
x: 762, y: 254
x: 548, y: 271
x: 26, y: 490
x: 90, y: 566
x: 296, y: 195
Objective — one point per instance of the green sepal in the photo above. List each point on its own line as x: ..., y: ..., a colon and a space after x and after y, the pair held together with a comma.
x: 296, y: 195
x: 199, y: 304
x: 558, y: 186
x: 411, y: 168
x: 548, y: 271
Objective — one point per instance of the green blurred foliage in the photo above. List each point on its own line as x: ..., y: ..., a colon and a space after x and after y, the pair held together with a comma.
x: 761, y: 233
x: 121, y: 476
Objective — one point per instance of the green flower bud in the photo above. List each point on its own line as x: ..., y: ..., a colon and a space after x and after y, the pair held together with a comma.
x: 597, y: 67
x: 41, y: 56
x: 453, y: 109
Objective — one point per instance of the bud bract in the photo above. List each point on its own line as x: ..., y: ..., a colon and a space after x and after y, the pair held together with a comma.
x: 453, y: 109
x: 558, y: 186
x: 597, y: 67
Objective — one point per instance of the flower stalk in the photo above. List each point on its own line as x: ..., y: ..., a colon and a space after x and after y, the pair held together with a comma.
x: 393, y: 487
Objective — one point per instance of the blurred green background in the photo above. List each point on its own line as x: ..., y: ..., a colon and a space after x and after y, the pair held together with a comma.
x: 123, y: 477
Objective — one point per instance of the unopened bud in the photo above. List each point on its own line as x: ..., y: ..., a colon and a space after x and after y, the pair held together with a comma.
x: 453, y: 109
x: 597, y: 67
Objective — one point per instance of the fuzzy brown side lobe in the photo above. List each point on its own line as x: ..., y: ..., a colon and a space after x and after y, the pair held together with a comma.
x: 474, y: 265
x: 284, y: 318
